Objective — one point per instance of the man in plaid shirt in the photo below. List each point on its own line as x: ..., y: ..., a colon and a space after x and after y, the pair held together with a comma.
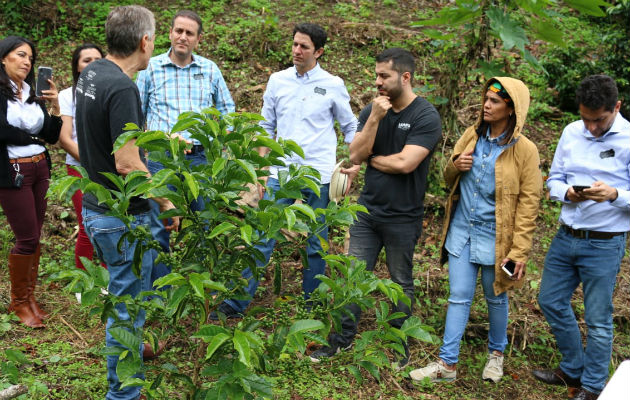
x: 175, y: 82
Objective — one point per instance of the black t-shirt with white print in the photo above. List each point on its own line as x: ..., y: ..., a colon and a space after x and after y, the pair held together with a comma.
x: 400, y: 197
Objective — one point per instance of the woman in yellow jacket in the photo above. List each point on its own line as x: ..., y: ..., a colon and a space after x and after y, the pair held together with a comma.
x: 490, y: 219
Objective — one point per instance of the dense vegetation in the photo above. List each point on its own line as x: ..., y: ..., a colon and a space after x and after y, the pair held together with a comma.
x: 249, y: 39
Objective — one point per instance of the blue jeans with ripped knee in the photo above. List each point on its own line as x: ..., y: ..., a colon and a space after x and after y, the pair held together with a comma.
x: 462, y: 281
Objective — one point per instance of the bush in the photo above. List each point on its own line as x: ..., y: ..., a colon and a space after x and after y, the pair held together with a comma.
x: 600, y: 46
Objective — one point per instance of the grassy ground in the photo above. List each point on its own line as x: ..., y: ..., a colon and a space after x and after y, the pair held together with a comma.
x: 250, y: 40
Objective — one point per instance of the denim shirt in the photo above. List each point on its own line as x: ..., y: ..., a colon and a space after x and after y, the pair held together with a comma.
x: 474, y: 217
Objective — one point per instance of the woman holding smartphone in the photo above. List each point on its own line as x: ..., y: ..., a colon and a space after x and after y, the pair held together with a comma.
x: 25, y: 125
x: 81, y: 57
x: 490, y: 220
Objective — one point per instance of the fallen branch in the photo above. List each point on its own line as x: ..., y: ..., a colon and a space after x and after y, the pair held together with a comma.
x: 13, y: 392
x: 66, y: 323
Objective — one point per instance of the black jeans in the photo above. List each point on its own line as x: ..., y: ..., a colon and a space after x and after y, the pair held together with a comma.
x: 367, y: 238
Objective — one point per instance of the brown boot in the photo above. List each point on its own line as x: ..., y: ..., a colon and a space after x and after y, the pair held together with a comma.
x: 20, y: 271
x: 41, y: 314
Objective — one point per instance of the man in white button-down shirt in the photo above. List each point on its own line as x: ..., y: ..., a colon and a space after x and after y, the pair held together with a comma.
x: 590, y: 175
x: 302, y: 103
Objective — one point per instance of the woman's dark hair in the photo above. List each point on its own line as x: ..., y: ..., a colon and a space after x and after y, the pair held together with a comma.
x: 76, y: 55
x: 511, y: 125
x: 7, y: 45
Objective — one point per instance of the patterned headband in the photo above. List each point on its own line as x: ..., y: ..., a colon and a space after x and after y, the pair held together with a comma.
x: 500, y: 90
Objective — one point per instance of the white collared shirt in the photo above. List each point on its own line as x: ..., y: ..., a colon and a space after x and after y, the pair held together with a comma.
x: 304, y: 108
x: 28, y: 117
x: 582, y: 159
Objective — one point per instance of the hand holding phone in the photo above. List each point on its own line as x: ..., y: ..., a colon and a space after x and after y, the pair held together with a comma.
x: 579, y: 188
x: 508, y: 268
x: 43, y: 75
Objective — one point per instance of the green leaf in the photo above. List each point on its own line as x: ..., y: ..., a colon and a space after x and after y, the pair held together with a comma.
x: 546, y: 31
x: 270, y: 143
x: 306, y: 325
x: 371, y: 368
x: 249, y: 169
x: 128, y: 367
x: 590, y: 7
x: 246, y: 233
x: 125, y: 137
x: 149, y: 137
x: 192, y: 184
x: 173, y: 278
x: 15, y: 356
x: 413, y: 327
x: 290, y: 216
x: 126, y: 338
x: 463, y: 12
x: 215, y: 343
x: 510, y: 31
x: 217, y: 166
x: 294, y: 147
x: 356, y: 373
x: 241, y: 345
x: 221, y: 228
x: 304, y: 209
x: 184, y: 124
x: 196, y: 282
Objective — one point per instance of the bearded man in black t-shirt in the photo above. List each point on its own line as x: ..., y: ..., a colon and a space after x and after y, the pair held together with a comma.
x: 107, y: 99
x: 396, y: 136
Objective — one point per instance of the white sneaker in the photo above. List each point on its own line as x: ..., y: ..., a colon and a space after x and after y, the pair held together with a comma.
x: 493, y: 370
x: 78, y: 296
x: 436, y: 371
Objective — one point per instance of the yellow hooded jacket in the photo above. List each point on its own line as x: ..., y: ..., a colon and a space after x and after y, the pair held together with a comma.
x: 517, y: 192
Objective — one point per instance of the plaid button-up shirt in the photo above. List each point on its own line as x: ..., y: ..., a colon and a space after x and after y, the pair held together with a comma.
x: 167, y: 90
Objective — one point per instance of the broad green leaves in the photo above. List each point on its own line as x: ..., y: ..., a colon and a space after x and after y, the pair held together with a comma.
x: 212, y: 248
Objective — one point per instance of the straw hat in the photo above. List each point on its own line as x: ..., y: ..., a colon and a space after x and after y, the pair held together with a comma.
x: 338, y: 184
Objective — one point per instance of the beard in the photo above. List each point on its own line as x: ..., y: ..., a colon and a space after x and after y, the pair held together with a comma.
x: 394, y: 92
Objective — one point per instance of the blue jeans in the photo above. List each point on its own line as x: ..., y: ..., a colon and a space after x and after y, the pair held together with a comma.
x: 157, y: 227
x: 594, y: 263
x: 104, y: 233
x: 316, y: 265
x: 367, y: 238
x: 462, y: 275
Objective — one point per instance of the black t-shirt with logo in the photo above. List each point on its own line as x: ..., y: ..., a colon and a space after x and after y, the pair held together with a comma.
x: 400, y: 197
x: 106, y: 100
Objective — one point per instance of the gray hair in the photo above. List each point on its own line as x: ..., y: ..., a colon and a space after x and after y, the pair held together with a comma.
x: 125, y: 28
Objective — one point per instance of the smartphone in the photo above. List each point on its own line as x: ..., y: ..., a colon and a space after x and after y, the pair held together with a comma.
x: 579, y: 188
x: 509, y: 267
x: 43, y: 75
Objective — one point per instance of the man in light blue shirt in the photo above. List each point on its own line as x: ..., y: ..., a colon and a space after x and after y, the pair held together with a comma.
x: 175, y: 82
x: 301, y: 103
x: 590, y: 175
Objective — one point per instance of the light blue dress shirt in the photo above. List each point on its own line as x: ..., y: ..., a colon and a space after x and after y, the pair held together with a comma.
x: 582, y: 159
x: 304, y: 108
x: 167, y: 90
x: 474, y: 217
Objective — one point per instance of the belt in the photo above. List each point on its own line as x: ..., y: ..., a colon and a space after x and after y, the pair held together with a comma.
x: 582, y: 234
x: 197, y: 148
x: 32, y: 159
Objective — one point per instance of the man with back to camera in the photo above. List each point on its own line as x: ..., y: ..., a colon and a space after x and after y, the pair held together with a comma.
x: 107, y: 99
x: 396, y: 136
x: 590, y: 175
x: 175, y: 82
x: 301, y: 103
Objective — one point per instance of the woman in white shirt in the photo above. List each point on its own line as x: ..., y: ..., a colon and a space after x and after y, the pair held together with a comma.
x: 81, y: 57
x: 25, y: 126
